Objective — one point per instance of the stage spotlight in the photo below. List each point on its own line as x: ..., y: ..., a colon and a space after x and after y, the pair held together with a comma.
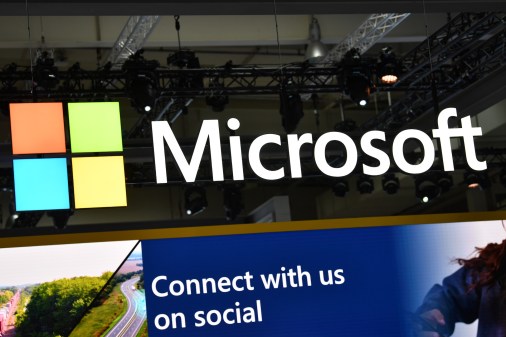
x: 388, y: 68
x: 365, y: 185
x: 6, y: 180
x: 444, y: 181
x: 340, y: 187
x: 359, y: 89
x: 186, y: 59
x: 45, y: 74
x: 502, y: 177
x: 12, y: 221
x: 195, y: 200
x: 4, y: 109
x: 217, y: 102
x: 142, y: 81
x: 475, y: 179
x: 357, y: 78
x: 143, y: 93
x: 22, y: 219
x: 60, y: 217
x: 291, y: 110
x: 390, y: 183
x: 347, y: 125
x: 426, y: 189
x: 232, y: 202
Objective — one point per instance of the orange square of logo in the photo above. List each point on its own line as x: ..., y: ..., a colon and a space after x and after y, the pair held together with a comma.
x: 37, y: 128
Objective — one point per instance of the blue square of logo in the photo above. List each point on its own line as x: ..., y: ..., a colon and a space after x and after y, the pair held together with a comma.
x: 41, y: 184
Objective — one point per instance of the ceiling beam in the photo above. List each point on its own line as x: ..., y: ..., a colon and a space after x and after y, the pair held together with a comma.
x: 93, y: 44
x: 242, y: 7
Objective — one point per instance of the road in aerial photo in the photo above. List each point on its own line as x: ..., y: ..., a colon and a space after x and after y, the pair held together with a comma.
x: 130, y: 324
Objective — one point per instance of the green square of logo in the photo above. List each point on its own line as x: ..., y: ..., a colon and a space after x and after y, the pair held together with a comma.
x: 95, y: 127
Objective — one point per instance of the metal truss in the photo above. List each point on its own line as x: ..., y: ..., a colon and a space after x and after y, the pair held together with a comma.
x: 250, y: 80
x: 448, y: 45
x: 373, y: 29
x: 470, y: 47
x: 80, y: 84
x: 132, y: 38
x: 466, y: 50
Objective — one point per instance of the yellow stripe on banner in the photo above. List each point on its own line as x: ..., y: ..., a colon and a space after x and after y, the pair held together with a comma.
x: 186, y: 232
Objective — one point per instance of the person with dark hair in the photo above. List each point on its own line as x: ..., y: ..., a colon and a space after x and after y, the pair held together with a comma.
x: 476, y: 291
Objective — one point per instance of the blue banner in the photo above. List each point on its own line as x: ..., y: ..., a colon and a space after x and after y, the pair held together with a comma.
x: 314, y: 283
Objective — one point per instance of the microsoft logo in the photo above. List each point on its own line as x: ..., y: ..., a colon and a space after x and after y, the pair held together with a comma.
x: 41, y: 174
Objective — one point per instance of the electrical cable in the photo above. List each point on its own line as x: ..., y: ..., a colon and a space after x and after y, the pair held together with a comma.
x: 30, y: 47
x: 432, y: 76
x: 178, y: 27
x: 277, y: 34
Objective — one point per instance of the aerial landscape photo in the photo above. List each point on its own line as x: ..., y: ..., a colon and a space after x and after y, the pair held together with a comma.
x: 120, y: 308
x: 49, y: 289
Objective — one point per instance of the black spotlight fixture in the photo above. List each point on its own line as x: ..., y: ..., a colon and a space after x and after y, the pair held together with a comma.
x: 143, y: 93
x: 346, y: 125
x: 6, y: 180
x: 359, y: 89
x: 22, y: 219
x: 45, y: 74
x: 4, y: 108
x: 426, y: 188
x: 388, y: 67
x: 340, y: 187
x: 502, y: 177
x: 390, y: 183
x: 13, y: 218
x: 217, y: 100
x: 142, y: 81
x: 475, y: 179
x: 290, y: 108
x: 195, y: 200
x: 60, y: 217
x: 365, y: 184
x: 232, y: 202
x: 186, y: 59
x: 444, y: 181
x: 357, y: 78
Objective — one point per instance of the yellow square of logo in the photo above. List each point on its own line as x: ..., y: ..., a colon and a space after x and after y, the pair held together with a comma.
x: 99, y: 182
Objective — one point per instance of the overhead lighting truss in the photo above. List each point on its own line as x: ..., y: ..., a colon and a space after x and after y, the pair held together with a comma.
x: 467, y: 49
x: 372, y: 30
x: 131, y: 39
x: 463, y: 34
x: 259, y: 80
